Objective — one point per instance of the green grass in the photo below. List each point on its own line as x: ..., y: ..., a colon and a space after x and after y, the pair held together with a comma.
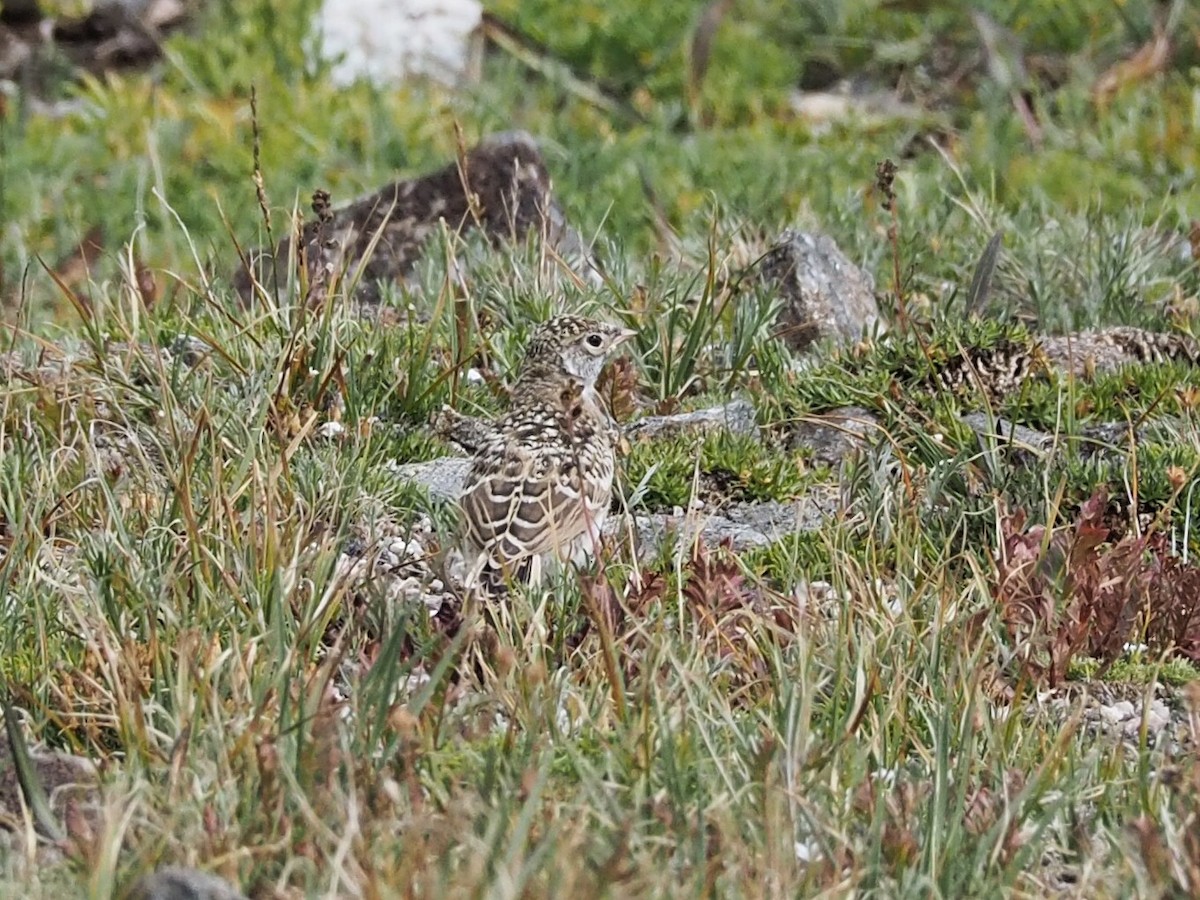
x: 170, y: 535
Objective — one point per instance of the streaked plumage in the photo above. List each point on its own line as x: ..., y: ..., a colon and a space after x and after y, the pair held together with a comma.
x: 541, y: 482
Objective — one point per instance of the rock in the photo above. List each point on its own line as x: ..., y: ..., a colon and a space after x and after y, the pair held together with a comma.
x: 825, y: 296
x: 14, y: 54
x: 1024, y: 444
x: 736, y: 416
x: 745, y: 526
x: 179, y: 883
x: 832, y: 436
x: 394, y: 564
x: 442, y: 477
x: 387, y: 41
x: 467, y: 433
x: 510, y: 196
x: 64, y: 777
x: 1107, y: 349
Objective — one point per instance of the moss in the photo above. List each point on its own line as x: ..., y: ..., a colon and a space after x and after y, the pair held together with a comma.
x: 718, y: 467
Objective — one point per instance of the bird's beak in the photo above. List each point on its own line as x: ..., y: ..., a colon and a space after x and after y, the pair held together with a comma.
x: 623, y: 335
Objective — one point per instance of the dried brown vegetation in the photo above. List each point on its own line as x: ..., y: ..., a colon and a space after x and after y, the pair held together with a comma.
x: 1083, y: 590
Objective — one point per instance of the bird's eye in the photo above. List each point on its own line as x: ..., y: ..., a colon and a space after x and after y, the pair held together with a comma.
x: 594, y: 341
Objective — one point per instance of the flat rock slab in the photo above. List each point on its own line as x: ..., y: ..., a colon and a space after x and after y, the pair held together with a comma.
x: 442, y: 477
x: 834, y: 435
x: 744, y: 526
x: 736, y: 416
x: 825, y: 296
x: 501, y: 187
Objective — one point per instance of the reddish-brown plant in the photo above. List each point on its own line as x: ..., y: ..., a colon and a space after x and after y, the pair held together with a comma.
x: 1084, y: 590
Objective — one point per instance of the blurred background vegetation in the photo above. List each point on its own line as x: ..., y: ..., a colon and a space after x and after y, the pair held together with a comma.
x: 655, y: 118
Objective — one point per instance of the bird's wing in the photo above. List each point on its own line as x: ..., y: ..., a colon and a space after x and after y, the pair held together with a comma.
x: 520, y: 502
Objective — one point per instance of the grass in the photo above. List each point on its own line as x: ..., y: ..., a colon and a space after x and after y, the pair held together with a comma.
x: 846, y: 711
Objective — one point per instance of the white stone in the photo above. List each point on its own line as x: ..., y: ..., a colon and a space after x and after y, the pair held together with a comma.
x: 1117, y: 712
x: 387, y: 41
x: 807, y: 851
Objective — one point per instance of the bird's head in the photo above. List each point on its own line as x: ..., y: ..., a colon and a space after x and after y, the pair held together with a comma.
x: 574, y: 345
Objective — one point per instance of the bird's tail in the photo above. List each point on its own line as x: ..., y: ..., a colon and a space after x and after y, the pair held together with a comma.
x: 495, y: 579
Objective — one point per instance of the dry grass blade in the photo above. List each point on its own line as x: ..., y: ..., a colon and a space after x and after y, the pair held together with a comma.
x: 703, y: 37
x: 1149, y: 60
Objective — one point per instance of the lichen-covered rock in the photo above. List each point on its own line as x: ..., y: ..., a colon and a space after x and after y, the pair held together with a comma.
x: 825, y: 296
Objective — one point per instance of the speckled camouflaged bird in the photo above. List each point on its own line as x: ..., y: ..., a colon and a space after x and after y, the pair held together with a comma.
x: 541, y: 483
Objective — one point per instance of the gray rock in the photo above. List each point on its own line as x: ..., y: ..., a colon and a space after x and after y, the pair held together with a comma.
x: 64, y: 777
x: 736, y: 416
x: 745, y: 526
x: 832, y: 436
x: 442, y: 477
x: 825, y: 296
x: 179, y: 883
x: 1024, y: 444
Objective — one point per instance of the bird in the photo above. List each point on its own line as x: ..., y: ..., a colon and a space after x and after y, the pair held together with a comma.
x: 541, y: 477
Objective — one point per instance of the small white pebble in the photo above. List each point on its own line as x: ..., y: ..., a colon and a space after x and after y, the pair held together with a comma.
x: 695, y: 503
x: 677, y: 510
x: 331, y: 429
x: 807, y: 851
x: 391, y: 789
x: 474, y: 376
x: 433, y: 603
x: 1117, y: 712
